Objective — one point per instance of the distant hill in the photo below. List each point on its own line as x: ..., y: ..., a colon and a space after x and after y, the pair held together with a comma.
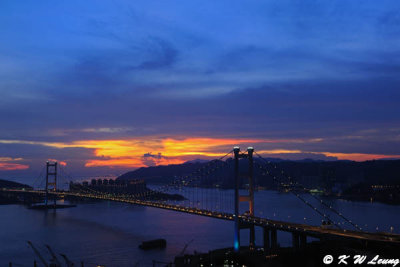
x: 162, y: 174
x: 11, y: 184
x: 311, y: 173
x: 6, y: 198
x: 197, y: 161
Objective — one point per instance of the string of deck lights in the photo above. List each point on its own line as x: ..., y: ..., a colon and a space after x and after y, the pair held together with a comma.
x: 140, y: 195
x: 315, y: 197
x: 298, y: 196
x: 205, y: 171
x: 85, y: 188
x: 181, y: 182
x: 301, y: 198
x: 185, y: 181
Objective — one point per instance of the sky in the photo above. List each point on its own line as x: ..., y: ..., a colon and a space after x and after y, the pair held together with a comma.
x: 109, y: 86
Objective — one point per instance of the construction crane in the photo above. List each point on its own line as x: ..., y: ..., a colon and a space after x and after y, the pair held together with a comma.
x: 69, y: 263
x: 54, y: 259
x: 185, y: 247
x: 38, y: 254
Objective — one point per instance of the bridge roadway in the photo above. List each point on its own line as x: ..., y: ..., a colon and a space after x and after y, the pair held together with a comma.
x: 309, y: 230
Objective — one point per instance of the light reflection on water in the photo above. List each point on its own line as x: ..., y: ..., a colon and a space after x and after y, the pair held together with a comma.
x: 109, y: 233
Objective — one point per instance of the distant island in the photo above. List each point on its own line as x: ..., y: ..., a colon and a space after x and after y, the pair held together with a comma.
x: 14, y: 185
x: 7, y: 198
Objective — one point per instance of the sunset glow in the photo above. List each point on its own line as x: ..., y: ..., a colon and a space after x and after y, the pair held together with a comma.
x: 142, y: 152
x: 339, y: 156
x: 359, y: 156
x: 114, y: 91
x: 153, y: 151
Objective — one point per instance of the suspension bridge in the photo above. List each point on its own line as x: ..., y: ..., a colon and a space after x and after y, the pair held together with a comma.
x: 227, y: 206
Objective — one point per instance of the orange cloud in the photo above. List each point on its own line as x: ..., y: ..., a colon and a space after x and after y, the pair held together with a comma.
x: 145, y: 151
x: 116, y: 162
x: 279, y: 151
x: 359, y: 156
x: 6, y: 165
x: 12, y: 166
x: 10, y: 159
x: 340, y: 156
x: 129, y: 162
x: 130, y: 152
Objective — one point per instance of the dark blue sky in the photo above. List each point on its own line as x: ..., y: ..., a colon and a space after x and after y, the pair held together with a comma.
x: 295, y: 79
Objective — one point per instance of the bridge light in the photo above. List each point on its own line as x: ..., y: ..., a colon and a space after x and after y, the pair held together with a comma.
x: 236, y: 245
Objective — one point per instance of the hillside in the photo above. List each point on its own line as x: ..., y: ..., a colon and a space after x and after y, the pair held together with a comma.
x: 162, y: 174
x: 11, y: 184
x: 328, y: 175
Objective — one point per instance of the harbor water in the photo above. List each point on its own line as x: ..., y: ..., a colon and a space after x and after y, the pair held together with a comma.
x: 108, y: 233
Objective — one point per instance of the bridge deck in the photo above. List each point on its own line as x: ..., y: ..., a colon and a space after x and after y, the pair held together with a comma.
x: 315, y: 231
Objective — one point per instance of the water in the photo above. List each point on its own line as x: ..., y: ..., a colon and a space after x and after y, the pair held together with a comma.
x: 109, y: 233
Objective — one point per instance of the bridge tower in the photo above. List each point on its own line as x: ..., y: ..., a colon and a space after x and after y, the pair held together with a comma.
x: 243, y: 198
x: 51, y: 180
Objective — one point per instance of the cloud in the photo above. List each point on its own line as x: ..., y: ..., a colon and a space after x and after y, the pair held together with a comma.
x: 12, y: 166
x: 150, y: 159
x: 107, y: 130
x: 132, y: 152
x: 149, y: 155
x: 102, y: 85
x: 7, y: 164
x: 62, y: 163
x: 164, y: 55
x: 299, y: 154
x: 359, y: 156
x: 10, y: 159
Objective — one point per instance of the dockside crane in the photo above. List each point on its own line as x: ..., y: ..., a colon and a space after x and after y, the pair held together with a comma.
x: 38, y: 254
x: 69, y: 263
x: 185, y: 247
x: 54, y: 259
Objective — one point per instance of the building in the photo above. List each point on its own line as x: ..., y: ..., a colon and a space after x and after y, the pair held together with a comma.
x: 111, y: 186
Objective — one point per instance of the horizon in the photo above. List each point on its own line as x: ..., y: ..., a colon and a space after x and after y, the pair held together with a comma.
x: 196, y: 160
x: 109, y: 87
